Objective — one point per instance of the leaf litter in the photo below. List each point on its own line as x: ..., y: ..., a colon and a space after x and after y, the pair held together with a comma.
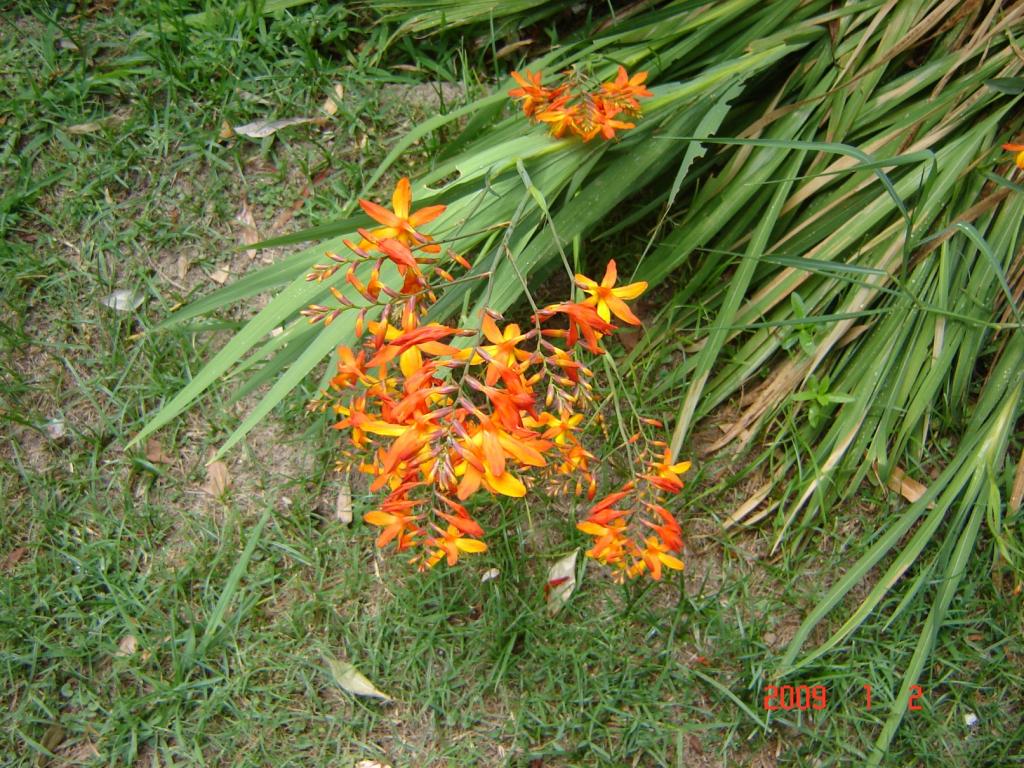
x: 351, y: 680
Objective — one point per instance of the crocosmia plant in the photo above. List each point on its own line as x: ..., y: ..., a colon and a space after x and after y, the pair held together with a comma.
x: 577, y: 107
x: 437, y: 415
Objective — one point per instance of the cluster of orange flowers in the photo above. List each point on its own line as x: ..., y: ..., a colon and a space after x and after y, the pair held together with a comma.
x: 434, y: 422
x: 575, y: 108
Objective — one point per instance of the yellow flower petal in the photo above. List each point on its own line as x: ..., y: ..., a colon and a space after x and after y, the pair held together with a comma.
x: 402, y: 198
x: 507, y: 484
x: 471, y: 545
x: 377, y: 517
x: 671, y: 562
x: 630, y: 291
x: 378, y: 427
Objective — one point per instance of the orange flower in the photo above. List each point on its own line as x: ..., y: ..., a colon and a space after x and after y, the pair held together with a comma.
x: 669, y: 531
x: 503, y: 348
x: 508, y: 406
x: 609, y: 300
x: 425, y: 338
x: 571, y: 367
x: 573, y: 108
x: 656, y: 555
x: 612, y: 545
x: 450, y: 545
x: 665, y: 475
x: 561, y: 118
x: 560, y: 429
x: 410, y: 448
x: 1019, y: 157
x: 601, y: 119
x: 627, y: 89
x: 394, y: 518
x: 603, y: 512
x: 461, y: 519
x: 583, y: 319
x: 355, y: 419
x: 531, y: 92
x: 484, y: 452
x: 350, y: 368
x: 425, y: 416
x: 399, y: 223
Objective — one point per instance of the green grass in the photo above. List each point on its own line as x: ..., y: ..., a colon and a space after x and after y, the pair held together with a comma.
x: 233, y: 604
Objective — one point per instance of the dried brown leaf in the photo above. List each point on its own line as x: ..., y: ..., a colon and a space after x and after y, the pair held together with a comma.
x: 350, y: 679
x: 218, y: 480
x: 83, y: 128
x: 1017, y: 489
x: 343, y: 506
x: 748, y: 506
x: 14, y: 557
x: 155, y: 452
x: 249, y: 234
x: 128, y: 645
x: 81, y: 753
x: 124, y: 300
x: 332, y: 102
x: 508, y: 50
x: 905, y: 486
x: 111, y: 121
x: 221, y: 275
x: 259, y: 129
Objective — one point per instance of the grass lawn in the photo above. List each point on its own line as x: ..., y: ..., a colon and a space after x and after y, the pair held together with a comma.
x: 151, y: 614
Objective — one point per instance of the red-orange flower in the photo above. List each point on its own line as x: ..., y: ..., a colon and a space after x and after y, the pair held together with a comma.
x: 655, y: 555
x: 394, y: 518
x: 355, y: 419
x: 583, y: 319
x: 504, y: 346
x: 575, y: 107
x: 426, y: 421
x: 612, y: 545
x: 558, y: 428
x: 532, y: 94
x: 450, y: 544
x: 669, y: 531
x: 665, y: 475
x: 350, y: 368
x: 626, y: 88
x: 399, y: 223
x: 484, y: 450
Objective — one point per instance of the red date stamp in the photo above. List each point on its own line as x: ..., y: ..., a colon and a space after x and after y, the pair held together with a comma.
x: 803, y: 698
x: 799, y: 697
